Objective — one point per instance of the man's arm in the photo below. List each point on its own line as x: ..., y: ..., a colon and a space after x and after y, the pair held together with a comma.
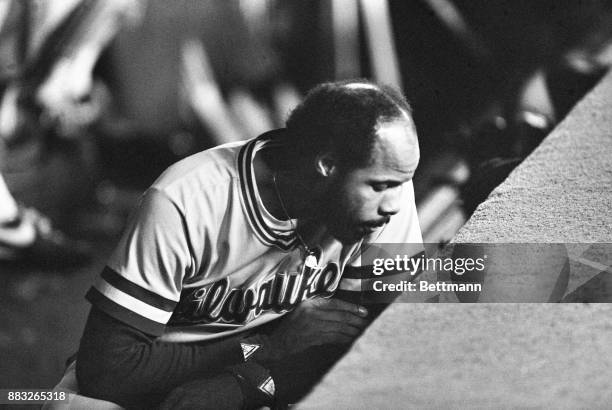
x: 119, y: 363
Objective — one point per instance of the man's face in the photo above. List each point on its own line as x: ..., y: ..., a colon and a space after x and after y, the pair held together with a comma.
x: 361, y: 200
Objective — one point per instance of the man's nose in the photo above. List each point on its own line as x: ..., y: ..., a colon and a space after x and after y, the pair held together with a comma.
x: 391, y: 202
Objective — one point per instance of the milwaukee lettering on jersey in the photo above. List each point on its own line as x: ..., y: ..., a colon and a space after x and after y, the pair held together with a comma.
x: 219, y: 302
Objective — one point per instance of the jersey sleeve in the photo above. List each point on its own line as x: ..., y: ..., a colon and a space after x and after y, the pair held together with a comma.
x: 142, y: 281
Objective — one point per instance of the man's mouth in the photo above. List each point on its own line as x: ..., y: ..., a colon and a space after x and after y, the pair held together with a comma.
x: 374, y: 225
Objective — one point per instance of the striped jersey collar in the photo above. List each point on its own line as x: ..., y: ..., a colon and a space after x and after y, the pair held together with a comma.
x: 268, y: 229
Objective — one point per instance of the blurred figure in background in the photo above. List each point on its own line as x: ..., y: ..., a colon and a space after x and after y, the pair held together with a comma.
x: 260, y: 99
x: 197, y: 73
x: 48, y: 50
x: 491, y: 78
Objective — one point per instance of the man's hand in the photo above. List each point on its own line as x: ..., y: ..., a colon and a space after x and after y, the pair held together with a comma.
x: 316, y: 322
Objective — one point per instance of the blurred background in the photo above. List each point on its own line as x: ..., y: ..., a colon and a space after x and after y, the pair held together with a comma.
x: 98, y: 97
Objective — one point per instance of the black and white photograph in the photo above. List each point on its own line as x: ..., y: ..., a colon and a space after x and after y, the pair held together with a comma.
x: 308, y: 204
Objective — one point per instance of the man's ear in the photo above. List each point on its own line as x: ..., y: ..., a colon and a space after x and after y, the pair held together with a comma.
x: 325, y: 164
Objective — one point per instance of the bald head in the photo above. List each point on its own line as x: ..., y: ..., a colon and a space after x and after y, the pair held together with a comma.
x: 366, y: 86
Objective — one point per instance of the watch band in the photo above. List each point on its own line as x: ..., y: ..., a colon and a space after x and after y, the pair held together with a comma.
x: 255, y: 382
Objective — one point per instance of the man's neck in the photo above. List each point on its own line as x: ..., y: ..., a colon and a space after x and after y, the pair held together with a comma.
x: 282, y: 189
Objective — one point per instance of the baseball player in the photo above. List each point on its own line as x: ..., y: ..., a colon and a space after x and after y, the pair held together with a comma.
x: 220, y: 293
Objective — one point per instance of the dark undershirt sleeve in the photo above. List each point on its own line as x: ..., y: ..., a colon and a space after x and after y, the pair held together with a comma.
x: 119, y: 363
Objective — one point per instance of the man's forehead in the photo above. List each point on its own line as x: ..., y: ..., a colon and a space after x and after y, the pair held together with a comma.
x: 400, y: 131
x: 397, y: 146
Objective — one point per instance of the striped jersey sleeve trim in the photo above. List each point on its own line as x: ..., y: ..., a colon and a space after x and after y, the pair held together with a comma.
x: 124, y: 314
x: 132, y: 303
x: 353, y: 285
x: 137, y: 292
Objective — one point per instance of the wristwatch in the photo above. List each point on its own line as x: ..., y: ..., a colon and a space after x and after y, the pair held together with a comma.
x: 256, y: 383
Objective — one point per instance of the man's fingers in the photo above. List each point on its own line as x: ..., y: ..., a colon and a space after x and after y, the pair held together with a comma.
x: 336, y: 321
x: 340, y: 317
x: 335, y: 338
x: 337, y: 304
x: 338, y: 327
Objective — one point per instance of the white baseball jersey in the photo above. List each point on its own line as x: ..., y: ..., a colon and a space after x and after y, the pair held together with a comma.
x: 202, y: 257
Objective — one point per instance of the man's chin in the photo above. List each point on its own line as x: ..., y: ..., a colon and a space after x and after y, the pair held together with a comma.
x: 349, y: 238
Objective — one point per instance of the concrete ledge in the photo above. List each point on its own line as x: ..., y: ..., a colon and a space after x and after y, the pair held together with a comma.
x: 487, y: 356
x: 503, y: 355
x: 563, y: 191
